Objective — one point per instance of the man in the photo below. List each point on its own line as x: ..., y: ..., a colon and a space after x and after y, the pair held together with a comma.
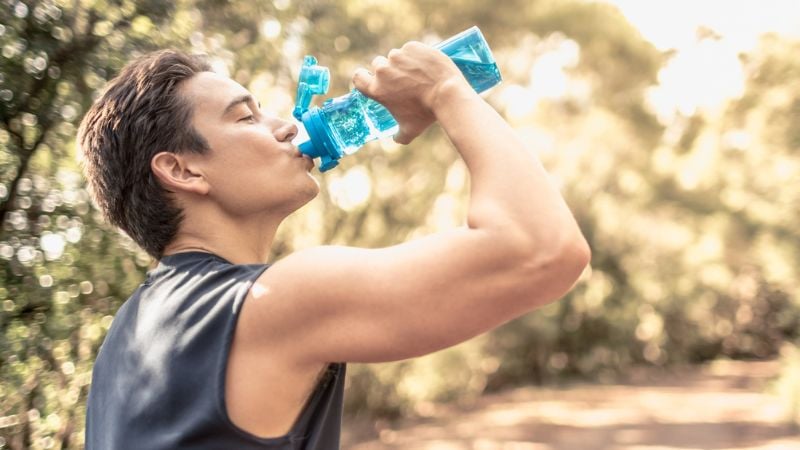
x: 215, y: 352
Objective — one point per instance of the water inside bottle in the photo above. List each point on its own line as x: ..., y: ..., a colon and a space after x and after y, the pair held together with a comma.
x: 481, y: 76
x: 380, y: 117
x: 346, y: 118
x: 346, y: 121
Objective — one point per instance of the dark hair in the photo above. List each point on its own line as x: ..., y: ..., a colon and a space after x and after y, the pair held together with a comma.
x: 140, y: 114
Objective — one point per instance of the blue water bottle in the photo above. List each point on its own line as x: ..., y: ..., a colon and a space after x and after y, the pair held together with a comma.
x: 344, y: 124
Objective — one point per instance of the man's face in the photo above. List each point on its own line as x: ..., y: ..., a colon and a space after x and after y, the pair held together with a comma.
x: 252, y: 166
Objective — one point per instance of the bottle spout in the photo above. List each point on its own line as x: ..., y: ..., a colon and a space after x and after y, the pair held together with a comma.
x: 307, y: 148
x: 326, y: 161
x: 318, y: 142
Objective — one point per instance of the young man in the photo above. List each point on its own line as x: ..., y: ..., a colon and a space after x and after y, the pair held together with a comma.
x: 215, y: 352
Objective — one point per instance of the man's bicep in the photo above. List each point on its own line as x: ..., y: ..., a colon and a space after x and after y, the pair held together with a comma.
x: 369, y: 305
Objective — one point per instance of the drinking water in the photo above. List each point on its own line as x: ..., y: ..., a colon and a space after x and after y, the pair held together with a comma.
x: 344, y: 124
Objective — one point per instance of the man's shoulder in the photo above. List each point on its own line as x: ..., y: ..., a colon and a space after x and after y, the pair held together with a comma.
x: 195, y: 269
x: 194, y: 287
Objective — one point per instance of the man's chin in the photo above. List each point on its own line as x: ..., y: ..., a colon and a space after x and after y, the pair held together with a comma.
x: 310, y: 192
x: 316, y: 185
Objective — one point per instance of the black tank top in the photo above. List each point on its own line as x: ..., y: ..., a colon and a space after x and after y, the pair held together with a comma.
x: 159, y: 378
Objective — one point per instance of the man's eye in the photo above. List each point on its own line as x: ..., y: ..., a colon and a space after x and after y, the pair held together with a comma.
x: 249, y: 118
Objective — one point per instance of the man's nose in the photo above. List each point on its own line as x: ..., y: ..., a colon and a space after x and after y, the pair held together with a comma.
x: 285, y: 131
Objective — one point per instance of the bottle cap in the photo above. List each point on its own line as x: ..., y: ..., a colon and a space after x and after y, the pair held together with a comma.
x: 320, y: 143
x: 314, y: 80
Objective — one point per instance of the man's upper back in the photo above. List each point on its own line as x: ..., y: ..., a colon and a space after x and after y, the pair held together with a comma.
x: 159, y: 379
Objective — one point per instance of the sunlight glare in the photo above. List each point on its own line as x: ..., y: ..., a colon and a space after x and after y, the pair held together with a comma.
x: 705, y: 71
x: 351, y: 190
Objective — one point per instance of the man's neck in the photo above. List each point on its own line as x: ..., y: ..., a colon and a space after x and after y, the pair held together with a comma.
x: 240, y: 241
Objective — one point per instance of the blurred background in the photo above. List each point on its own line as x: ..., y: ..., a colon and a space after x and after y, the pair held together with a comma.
x: 672, y: 128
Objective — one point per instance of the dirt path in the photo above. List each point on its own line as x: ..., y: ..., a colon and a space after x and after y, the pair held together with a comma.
x: 722, y: 406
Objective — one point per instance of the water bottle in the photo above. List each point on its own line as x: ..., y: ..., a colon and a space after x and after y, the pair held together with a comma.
x: 344, y: 124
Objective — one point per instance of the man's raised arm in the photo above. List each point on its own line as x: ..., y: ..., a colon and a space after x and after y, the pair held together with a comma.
x: 521, y: 247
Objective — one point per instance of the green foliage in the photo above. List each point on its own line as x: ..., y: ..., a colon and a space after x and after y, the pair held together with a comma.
x: 691, y: 221
x: 63, y: 272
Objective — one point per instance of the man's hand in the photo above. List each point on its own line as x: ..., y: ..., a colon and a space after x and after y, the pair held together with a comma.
x: 411, y: 82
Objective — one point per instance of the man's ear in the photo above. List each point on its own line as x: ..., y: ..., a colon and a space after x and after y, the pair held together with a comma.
x: 176, y: 173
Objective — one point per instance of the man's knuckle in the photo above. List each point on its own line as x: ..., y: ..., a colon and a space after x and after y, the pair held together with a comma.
x: 381, y: 71
x: 393, y: 54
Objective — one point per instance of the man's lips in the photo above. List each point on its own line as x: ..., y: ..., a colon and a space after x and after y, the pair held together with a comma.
x: 309, y: 160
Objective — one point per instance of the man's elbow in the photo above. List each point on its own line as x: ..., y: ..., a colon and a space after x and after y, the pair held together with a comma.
x: 576, y: 255
x: 555, y: 271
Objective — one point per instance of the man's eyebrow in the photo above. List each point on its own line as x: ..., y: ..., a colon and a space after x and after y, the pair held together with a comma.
x: 245, y: 98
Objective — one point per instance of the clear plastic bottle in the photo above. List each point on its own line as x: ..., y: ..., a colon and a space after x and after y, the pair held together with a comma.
x: 344, y: 124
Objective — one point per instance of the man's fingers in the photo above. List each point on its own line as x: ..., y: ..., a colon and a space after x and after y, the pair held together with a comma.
x: 379, y: 62
x: 362, y: 80
x: 403, y: 136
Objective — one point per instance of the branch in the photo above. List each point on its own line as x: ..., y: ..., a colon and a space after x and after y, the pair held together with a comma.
x: 29, y: 390
x: 25, y: 156
x: 74, y: 51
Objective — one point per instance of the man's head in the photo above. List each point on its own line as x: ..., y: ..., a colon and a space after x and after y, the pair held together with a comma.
x: 168, y: 134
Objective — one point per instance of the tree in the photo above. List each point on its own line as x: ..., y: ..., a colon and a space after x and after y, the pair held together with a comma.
x: 63, y: 271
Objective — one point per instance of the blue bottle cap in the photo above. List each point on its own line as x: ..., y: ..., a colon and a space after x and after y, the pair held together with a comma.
x: 314, y: 80
x: 320, y: 144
